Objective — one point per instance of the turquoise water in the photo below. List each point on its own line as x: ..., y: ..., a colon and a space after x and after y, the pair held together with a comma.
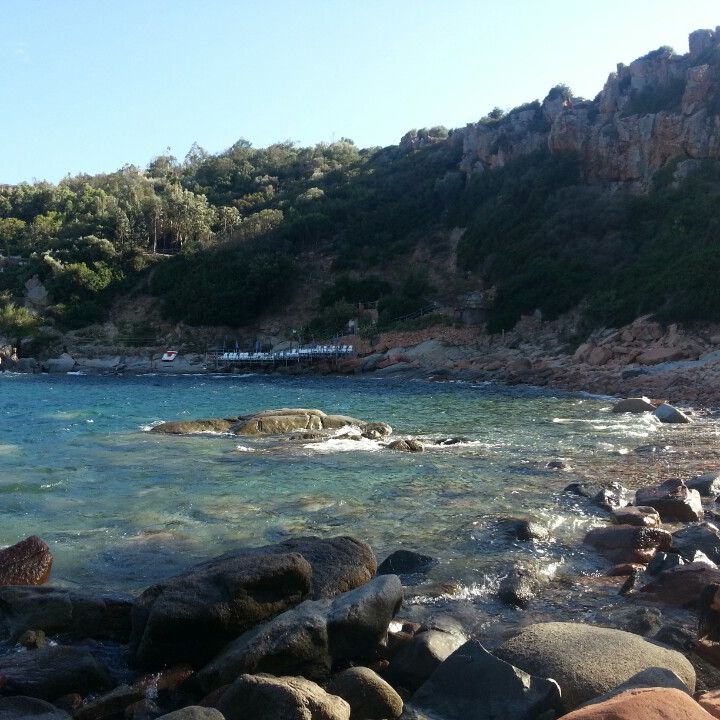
x: 122, y: 508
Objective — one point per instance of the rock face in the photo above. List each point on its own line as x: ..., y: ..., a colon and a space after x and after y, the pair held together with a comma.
x: 587, y: 661
x: 644, y: 704
x: 310, y: 638
x: 191, y: 617
x: 625, y: 544
x: 473, y: 683
x: 53, y: 671
x: 27, y: 563
x: 75, y: 615
x: 275, y: 422
x: 627, y: 132
x: 673, y: 500
x: 263, y: 697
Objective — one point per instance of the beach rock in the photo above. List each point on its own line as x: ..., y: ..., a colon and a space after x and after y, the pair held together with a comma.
x: 663, y: 561
x: 263, y: 697
x: 406, y: 562
x: 62, y: 364
x: 110, y: 705
x: 418, y: 659
x: 368, y: 695
x: 612, y: 496
x: 673, y: 500
x: 680, y: 586
x: 407, y: 445
x: 29, y: 708
x: 637, y: 515
x: 586, y: 660
x: 637, y: 620
x: 26, y: 563
x: 710, y: 702
x: 473, y: 683
x: 668, y: 414
x: 74, y: 615
x: 193, y: 712
x: 651, y: 678
x: 704, y: 537
x: 627, y: 544
x: 708, y: 484
x: 191, y: 617
x: 643, y: 704
x: 53, y: 671
x: 376, y: 430
x: 633, y: 405
x: 308, y: 639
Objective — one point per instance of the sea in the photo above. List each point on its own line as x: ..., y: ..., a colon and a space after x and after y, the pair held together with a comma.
x: 122, y: 508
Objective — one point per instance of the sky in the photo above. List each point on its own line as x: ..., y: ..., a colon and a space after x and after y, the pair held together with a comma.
x: 88, y: 86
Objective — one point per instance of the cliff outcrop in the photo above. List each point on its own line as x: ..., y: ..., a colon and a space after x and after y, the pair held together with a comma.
x: 660, y: 107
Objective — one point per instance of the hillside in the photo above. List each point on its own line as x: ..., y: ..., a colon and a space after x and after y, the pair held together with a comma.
x: 608, y: 207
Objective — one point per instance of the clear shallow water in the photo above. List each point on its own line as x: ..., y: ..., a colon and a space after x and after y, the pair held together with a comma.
x: 122, y: 508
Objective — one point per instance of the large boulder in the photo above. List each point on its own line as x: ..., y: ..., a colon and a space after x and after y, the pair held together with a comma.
x: 29, y: 708
x: 53, y: 671
x: 191, y: 617
x: 628, y: 544
x: 74, y: 615
x: 275, y: 422
x: 673, y: 500
x: 263, y: 697
x: 586, y: 660
x: 26, y: 563
x: 368, y: 695
x: 473, y: 683
x: 309, y: 639
x: 644, y: 704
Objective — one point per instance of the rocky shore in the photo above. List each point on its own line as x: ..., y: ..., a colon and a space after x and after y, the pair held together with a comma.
x: 316, y: 628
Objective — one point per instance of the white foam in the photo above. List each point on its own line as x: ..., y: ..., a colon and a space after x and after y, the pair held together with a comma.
x: 343, y: 445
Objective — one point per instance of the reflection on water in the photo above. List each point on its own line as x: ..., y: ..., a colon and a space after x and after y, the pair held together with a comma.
x: 122, y: 507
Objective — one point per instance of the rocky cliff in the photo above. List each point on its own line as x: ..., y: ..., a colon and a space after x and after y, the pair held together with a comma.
x: 659, y: 108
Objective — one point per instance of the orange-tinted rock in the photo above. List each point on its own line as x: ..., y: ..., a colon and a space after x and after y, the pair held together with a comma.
x: 643, y: 704
x: 710, y: 701
x: 26, y: 563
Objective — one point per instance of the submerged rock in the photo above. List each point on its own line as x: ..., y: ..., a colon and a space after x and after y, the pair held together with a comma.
x: 28, y: 562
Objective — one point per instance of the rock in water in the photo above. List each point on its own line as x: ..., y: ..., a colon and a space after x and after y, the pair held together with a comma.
x: 673, y: 500
x: 191, y: 617
x: 708, y: 484
x: 627, y: 544
x: 406, y: 562
x: 473, y: 683
x: 263, y: 697
x: 633, y: 405
x: 26, y: 563
x: 588, y: 661
x: 407, y: 445
x: 644, y: 704
x: 680, y: 586
x: 704, y: 537
x: 668, y: 414
x: 637, y: 515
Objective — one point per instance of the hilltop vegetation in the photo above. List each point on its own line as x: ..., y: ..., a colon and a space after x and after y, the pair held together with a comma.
x: 231, y: 238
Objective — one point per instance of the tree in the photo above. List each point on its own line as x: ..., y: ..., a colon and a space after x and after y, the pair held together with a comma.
x: 16, y: 321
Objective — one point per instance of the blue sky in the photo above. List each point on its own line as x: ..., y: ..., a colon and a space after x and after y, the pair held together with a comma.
x: 91, y: 85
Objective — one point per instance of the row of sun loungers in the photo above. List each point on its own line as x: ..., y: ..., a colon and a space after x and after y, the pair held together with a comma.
x: 317, y: 351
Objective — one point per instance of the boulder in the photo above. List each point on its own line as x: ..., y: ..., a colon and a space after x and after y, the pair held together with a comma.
x: 704, y: 537
x: 663, y: 561
x: 191, y: 617
x: 638, y: 515
x: 710, y: 702
x: 406, y: 562
x: 53, y: 671
x: 627, y: 544
x: 376, y: 430
x: 29, y: 708
x: 418, y: 659
x: 110, y: 705
x: 707, y: 484
x: 673, y: 500
x: 680, y: 586
x: 633, y: 405
x: 518, y: 587
x: 368, y: 695
x: 473, y: 683
x: 586, y: 660
x: 612, y: 496
x: 74, y: 615
x: 650, y: 678
x: 193, y: 712
x: 62, y: 364
x: 407, y: 445
x: 26, y: 563
x: 310, y: 638
x: 643, y: 704
x: 668, y: 414
x: 195, y: 427
x: 263, y: 697
x: 528, y: 530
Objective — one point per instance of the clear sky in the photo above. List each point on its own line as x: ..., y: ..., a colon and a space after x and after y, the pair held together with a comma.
x: 91, y: 85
